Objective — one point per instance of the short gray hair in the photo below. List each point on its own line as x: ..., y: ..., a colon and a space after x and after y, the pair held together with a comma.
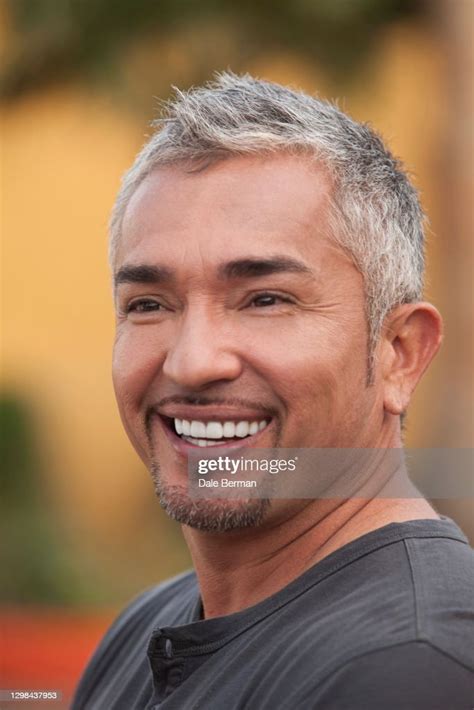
x: 376, y: 215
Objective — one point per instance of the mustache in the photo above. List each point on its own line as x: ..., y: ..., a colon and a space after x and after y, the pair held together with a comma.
x: 203, y: 400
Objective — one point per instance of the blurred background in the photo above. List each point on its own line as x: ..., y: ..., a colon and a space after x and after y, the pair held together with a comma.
x: 81, y: 530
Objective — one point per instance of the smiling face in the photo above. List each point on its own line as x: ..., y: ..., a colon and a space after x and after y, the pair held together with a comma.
x: 240, y: 322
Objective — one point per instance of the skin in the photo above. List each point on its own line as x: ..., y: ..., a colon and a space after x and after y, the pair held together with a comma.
x: 202, y: 343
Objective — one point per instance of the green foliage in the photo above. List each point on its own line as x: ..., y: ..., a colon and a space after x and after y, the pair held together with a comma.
x: 61, y: 40
x: 34, y: 556
x: 16, y: 455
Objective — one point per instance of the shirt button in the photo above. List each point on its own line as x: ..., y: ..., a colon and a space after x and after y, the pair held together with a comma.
x: 168, y: 648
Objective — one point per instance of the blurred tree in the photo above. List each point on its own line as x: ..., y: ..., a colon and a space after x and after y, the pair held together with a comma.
x: 37, y: 565
x: 52, y: 42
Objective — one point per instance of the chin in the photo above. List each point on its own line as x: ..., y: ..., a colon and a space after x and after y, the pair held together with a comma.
x: 209, y: 515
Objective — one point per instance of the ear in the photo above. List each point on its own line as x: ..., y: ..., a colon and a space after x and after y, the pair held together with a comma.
x: 411, y: 337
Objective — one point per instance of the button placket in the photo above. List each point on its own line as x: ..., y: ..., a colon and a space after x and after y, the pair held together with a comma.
x: 167, y: 668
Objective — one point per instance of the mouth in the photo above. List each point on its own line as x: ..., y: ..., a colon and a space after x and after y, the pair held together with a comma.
x: 216, y: 432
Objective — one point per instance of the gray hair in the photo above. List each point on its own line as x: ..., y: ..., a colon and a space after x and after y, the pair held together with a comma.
x: 375, y: 216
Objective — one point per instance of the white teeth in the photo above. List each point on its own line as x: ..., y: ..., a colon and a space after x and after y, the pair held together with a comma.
x: 214, y: 430
x: 198, y: 429
x: 242, y: 429
x: 207, y: 433
x: 199, y: 442
x: 229, y: 429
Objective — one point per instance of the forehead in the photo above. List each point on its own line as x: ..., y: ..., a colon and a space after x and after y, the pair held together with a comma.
x: 248, y: 204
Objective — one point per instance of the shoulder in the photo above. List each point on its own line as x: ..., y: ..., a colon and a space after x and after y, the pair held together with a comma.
x: 442, y: 577
x: 419, y: 589
x: 410, y: 675
x: 129, y: 635
x: 418, y: 586
x: 409, y: 623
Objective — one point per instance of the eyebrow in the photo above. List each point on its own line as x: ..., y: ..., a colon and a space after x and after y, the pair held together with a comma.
x: 142, y: 273
x: 251, y: 267
x: 254, y: 267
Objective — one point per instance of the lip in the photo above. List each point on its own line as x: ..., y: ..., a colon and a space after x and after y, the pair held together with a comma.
x: 185, y: 447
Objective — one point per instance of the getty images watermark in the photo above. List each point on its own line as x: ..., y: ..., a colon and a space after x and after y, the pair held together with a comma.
x: 237, y: 466
x: 331, y: 473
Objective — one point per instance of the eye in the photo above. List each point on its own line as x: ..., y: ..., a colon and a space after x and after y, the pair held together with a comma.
x: 265, y: 300
x: 143, y: 305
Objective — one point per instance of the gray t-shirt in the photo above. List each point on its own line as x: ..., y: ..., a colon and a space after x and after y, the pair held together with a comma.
x: 384, y: 623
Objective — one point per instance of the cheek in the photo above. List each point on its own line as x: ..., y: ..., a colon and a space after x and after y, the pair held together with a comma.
x: 136, y: 360
x: 300, y: 371
x: 320, y: 372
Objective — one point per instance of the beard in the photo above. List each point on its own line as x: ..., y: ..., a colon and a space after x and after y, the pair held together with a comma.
x: 217, y: 515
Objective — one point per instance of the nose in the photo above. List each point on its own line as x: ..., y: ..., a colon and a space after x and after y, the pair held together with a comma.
x: 203, y: 351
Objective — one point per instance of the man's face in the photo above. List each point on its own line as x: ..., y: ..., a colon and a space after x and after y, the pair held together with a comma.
x: 237, y: 317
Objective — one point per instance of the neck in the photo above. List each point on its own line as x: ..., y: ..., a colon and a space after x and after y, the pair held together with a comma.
x: 238, y: 569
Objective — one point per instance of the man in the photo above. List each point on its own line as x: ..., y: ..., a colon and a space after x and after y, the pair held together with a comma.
x: 267, y: 254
